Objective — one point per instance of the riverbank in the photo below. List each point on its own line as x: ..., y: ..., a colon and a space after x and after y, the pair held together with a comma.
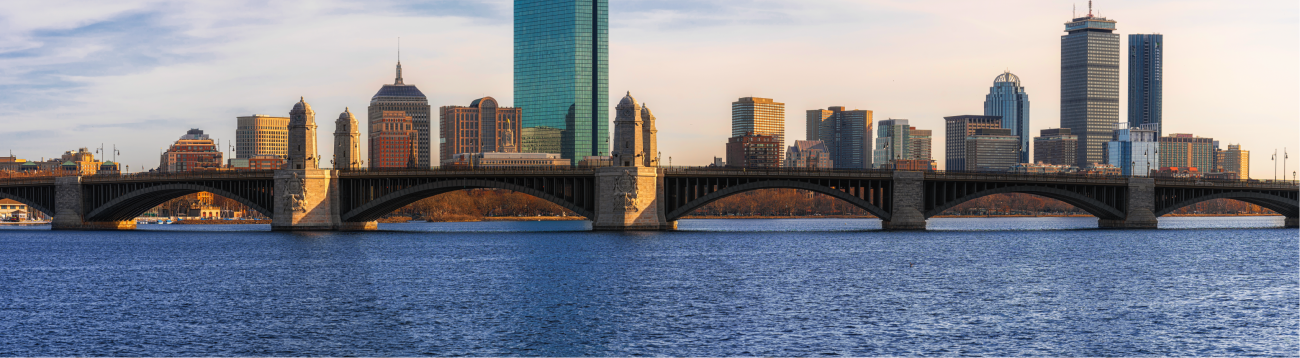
x: 579, y: 218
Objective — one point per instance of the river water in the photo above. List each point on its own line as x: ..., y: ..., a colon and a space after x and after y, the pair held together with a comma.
x: 1005, y: 287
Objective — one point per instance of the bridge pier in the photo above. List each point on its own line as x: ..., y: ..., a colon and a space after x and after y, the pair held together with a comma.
x: 1139, y: 207
x: 907, y: 200
x: 630, y: 199
x: 1291, y: 223
x: 306, y: 200
x: 69, y: 212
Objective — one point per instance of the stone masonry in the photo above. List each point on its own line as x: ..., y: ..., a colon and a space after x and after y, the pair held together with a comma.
x: 69, y: 213
x: 907, y: 197
x: 1140, y: 203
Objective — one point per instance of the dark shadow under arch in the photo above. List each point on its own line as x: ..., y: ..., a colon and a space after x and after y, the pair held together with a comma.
x: 1090, y: 205
x: 377, y: 208
x: 1284, y: 206
x: 776, y: 184
x: 30, y: 204
x: 131, y: 205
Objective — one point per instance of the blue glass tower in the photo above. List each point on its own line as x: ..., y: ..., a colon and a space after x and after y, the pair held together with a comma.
x: 1145, y: 83
x: 1008, y: 99
x: 562, y: 76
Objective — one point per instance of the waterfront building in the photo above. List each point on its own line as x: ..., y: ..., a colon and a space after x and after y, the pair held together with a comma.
x: 79, y: 162
x: 1235, y: 162
x: 992, y: 150
x: 761, y: 116
x: 847, y: 133
x: 260, y: 134
x: 956, y: 129
x: 1007, y: 99
x: 1056, y: 146
x: 1101, y: 169
x: 302, y: 137
x: 401, y: 97
x: 483, y: 126
x: 347, y: 142
x: 893, y: 142
x: 506, y: 160
x: 393, y: 141
x: 753, y: 150
x: 257, y: 162
x: 561, y: 75
x: 1042, y: 168
x: 1090, y: 84
x: 1146, y: 80
x: 10, y: 208
x: 807, y: 154
x: 635, y: 133
x: 909, y: 164
x: 193, y: 151
x: 1187, y: 150
x: 1134, y: 150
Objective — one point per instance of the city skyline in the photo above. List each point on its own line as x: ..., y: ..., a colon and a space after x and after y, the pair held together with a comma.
x: 80, y: 106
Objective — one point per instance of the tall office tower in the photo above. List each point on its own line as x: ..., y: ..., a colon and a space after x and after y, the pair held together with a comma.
x: 483, y: 127
x: 1134, y: 149
x: 391, y: 144
x: 1145, y: 79
x: 956, y: 129
x: 893, y: 142
x: 1008, y: 99
x: 347, y: 142
x: 847, y: 134
x: 408, y: 99
x: 562, y: 76
x: 761, y: 116
x: 260, y: 134
x: 991, y: 150
x: 194, y: 151
x: 302, y: 137
x: 1056, y: 146
x: 1090, y: 84
x: 921, y: 139
x: 813, y: 122
x: 1236, y: 161
x: 1180, y: 150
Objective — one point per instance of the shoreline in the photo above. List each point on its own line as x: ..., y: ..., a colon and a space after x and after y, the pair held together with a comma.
x: 746, y: 217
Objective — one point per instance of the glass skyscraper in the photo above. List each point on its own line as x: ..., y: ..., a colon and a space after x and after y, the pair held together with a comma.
x: 1090, y: 84
x: 1008, y: 99
x: 562, y: 76
x: 1145, y: 79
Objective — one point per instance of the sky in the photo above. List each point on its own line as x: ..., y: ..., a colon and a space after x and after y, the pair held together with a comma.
x: 137, y: 74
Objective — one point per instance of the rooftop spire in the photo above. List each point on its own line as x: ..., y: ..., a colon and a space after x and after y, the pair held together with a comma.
x: 398, y: 81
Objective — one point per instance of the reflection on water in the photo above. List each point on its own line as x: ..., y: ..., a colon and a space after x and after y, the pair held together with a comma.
x: 1025, y: 286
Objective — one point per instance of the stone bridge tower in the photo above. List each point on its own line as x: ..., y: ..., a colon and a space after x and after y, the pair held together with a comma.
x: 629, y: 193
x: 649, y: 137
x: 302, y: 137
x: 347, y: 142
x: 305, y: 195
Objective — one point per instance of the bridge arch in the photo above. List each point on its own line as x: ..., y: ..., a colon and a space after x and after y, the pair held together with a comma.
x: 776, y: 184
x: 135, y: 203
x: 377, y: 208
x: 1088, y: 204
x: 1285, y: 206
x: 31, y: 204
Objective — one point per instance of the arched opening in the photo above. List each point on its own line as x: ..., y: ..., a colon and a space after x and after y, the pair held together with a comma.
x: 32, y: 210
x: 482, y: 204
x: 1087, y: 204
x: 778, y: 203
x: 728, y: 191
x: 1222, y: 207
x: 204, y: 207
x: 1226, y: 203
x: 140, y: 202
x: 1013, y: 205
x: 388, y: 204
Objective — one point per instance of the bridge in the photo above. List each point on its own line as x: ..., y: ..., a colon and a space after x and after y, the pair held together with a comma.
x: 617, y: 198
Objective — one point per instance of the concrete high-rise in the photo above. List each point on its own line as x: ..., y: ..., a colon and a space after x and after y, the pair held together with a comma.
x: 761, y: 116
x: 893, y: 142
x: 1056, y: 146
x: 1007, y: 98
x: 407, y: 99
x: 483, y: 127
x: 1134, y: 149
x: 1145, y: 79
x: 991, y: 150
x: 956, y: 130
x: 921, y: 143
x: 1236, y: 161
x: 347, y: 142
x: 1090, y: 84
x: 392, y: 141
x: 260, y: 134
x: 1181, y: 150
x: 193, y: 151
x: 302, y: 137
x: 561, y: 75
x: 847, y: 133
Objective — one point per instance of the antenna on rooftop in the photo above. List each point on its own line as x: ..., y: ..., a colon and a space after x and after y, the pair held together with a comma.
x: 399, y: 49
x: 1089, y: 8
